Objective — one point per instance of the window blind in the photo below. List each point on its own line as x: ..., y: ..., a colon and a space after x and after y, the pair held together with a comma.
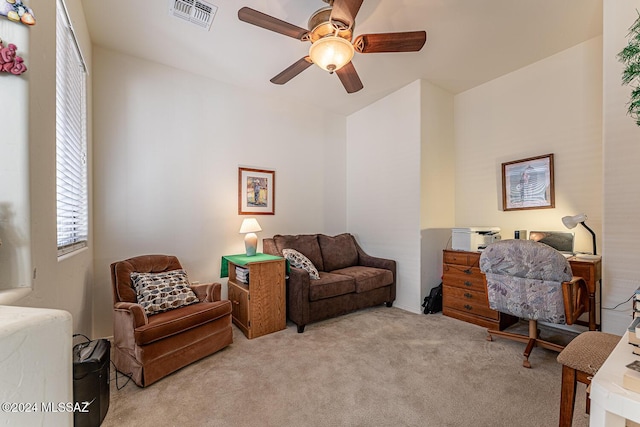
x: 71, y: 138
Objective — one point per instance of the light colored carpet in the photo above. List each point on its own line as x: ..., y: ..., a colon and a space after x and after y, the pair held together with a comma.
x: 376, y: 367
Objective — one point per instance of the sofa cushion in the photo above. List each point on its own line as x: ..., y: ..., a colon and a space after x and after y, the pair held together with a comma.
x: 298, y: 260
x: 367, y: 278
x: 158, y: 292
x: 173, y: 322
x: 306, y: 244
x: 338, y: 251
x: 330, y: 285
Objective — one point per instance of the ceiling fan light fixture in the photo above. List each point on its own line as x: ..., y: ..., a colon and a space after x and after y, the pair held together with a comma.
x: 331, y: 53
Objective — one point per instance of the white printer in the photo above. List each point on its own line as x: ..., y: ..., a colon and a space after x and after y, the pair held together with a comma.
x: 473, y: 238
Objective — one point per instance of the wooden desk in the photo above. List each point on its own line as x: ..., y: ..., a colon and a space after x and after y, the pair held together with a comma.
x: 461, y: 270
x: 611, y: 404
x: 591, y: 271
x: 464, y: 291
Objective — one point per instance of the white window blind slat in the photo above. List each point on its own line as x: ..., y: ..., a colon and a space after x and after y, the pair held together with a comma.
x: 71, y: 139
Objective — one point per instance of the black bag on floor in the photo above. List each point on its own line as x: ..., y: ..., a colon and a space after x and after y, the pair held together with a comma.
x: 433, y: 302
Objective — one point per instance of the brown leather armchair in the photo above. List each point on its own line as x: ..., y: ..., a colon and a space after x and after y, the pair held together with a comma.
x: 149, y: 347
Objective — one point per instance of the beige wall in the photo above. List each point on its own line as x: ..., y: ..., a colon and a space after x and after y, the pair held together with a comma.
x: 571, y: 104
x: 383, y: 185
x: 621, y: 157
x: 167, y: 147
x: 437, y: 158
x: 400, y: 183
x: 406, y: 173
x: 551, y: 106
x: 437, y: 182
x: 58, y: 283
x: 205, y: 130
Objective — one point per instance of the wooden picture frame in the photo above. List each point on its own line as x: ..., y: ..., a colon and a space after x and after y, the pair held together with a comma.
x: 256, y: 191
x: 528, y: 184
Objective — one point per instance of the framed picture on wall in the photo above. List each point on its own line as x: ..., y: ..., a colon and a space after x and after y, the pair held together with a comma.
x: 528, y: 184
x: 256, y: 191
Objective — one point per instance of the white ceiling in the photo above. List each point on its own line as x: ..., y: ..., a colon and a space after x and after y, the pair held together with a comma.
x: 469, y: 42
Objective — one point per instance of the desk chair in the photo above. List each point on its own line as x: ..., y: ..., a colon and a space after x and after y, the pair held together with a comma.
x: 532, y: 281
x: 581, y: 359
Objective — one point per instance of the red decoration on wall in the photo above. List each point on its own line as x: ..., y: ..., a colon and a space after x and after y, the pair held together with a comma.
x: 9, y: 61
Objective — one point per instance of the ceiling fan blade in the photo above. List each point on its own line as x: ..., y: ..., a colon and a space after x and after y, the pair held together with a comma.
x: 268, y: 22
x: 292, y: 71
x: 411, y: 41
x: 349, y: 78
x: 345, y: 11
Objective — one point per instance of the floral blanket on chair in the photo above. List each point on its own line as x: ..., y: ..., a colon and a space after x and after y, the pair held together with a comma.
x: 524, y: 278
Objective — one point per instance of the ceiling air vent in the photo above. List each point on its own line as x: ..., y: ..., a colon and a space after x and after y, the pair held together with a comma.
x: 195, y: 11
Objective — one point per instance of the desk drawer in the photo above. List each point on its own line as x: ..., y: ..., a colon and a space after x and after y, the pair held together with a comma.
x: 464, y: 293
x: 464, y: 278
x: 461, y: 258
x: 468, y: 301
x: 581, y: 270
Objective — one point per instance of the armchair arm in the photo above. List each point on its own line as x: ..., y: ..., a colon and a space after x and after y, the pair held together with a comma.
x: 367, y: 260
x: 298, y: 296
x: 371, y: 261
x: 575, y: 296
x: 138, y: 316
x: 207, y: 292
x: 127, y: 317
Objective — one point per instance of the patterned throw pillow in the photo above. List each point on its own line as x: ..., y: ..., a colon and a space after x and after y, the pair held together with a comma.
x: 296, y: 259
x: 158, y: 292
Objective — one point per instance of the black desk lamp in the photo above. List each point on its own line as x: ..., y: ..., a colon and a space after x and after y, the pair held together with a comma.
x: 572, y: 221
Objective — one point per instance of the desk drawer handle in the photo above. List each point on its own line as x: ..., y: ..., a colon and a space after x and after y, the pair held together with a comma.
x: 468, y: 295
x: 468, y: 307
x: 468, y: 283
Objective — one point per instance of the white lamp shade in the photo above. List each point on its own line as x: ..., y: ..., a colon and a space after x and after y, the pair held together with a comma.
x: 572, y: 221
x: 250, y: 225
x: 331, y: 53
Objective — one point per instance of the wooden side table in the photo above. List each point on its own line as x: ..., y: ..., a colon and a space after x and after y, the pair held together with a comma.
x: 258, y: 306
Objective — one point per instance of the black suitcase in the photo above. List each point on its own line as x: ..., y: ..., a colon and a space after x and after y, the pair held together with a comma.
x: 91, y: 382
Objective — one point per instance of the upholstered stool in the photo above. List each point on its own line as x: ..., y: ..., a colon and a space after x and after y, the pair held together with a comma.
x: 581, y: 359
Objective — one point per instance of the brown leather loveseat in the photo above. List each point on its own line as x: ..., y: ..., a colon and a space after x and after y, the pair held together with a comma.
x: 349, y: 279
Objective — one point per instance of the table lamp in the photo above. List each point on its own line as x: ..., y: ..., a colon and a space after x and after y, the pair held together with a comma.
x: 572, y: 221
x: 249, y: 227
